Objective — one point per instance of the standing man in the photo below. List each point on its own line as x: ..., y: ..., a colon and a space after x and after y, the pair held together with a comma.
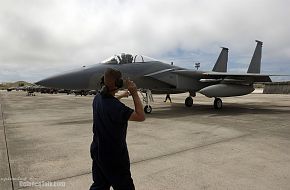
x: 111, y: 163
x: 167, y: 97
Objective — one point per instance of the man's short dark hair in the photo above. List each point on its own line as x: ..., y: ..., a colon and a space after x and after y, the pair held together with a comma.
x: 111, y: 76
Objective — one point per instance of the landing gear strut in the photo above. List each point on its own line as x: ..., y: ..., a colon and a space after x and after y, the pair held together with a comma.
x: 218, y: 103
x: 147, y: 99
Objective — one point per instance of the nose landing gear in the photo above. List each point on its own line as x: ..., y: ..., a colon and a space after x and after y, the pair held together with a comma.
x: 147, y: 109
x: 147, y: 99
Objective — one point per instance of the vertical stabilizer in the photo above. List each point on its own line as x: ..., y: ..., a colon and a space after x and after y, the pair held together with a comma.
x: 222, y: 61
x: 255, y: 65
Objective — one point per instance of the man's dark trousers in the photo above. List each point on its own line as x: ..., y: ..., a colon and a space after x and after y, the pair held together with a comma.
x: 105, y: 175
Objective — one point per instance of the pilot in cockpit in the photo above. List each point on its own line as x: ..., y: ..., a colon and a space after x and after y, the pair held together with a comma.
x: 126, y: 58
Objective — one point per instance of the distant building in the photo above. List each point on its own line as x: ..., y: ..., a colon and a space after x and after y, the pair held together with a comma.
x: 277, y: 88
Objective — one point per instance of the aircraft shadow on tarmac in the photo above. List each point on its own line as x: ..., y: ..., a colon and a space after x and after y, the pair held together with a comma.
x: 176, y: 110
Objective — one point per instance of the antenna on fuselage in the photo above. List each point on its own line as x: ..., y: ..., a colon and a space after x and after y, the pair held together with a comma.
x: 197, y: 65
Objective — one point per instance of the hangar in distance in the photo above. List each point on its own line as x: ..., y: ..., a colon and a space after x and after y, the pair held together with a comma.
x: 155, y: 77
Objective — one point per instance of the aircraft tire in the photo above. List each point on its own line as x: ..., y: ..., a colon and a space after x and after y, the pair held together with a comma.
x: 188, y: 101
x: 218, y: 103
x: 147, y: 109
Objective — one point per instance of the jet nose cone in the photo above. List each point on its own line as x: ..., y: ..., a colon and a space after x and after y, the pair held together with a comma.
x: 79, y: 79
x: 51, y: 82
x: 41, y: 82
x: 48, y: 82
x: 73, y: 80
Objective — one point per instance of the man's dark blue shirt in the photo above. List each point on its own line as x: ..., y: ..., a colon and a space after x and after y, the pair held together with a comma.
x: 110, y: 122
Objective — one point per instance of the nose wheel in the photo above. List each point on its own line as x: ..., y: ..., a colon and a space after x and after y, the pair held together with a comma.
x: 148, y: 98
x: 218, y: 103
x: 147, y: 109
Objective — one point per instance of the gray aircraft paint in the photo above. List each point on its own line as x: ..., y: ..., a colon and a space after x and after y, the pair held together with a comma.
x: 166, y: 78
x: 221, y: 63
x: 226, y: 90
x: 255, y: 65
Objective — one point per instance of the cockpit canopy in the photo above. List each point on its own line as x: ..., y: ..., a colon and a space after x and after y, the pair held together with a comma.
x: 125, y: 58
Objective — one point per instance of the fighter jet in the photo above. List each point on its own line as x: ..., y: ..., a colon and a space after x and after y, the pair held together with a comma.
x: 155, y: 77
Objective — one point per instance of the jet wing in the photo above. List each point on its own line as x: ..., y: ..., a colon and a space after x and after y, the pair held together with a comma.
x: 228, y: 77
x: 242, y: 77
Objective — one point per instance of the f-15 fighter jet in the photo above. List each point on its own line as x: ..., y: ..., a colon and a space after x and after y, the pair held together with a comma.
x: 156, y: 77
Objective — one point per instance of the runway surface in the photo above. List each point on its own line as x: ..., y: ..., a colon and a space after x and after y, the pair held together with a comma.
x: 44, y: 141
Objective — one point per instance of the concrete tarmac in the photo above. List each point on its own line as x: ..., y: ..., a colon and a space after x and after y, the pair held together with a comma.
x: 45, y: 139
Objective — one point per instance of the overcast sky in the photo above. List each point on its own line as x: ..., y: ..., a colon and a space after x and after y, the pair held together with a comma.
x: 39, y: 38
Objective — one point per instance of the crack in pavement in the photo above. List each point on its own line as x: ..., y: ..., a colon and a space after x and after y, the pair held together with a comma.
x: 156, y: 157
x: 6, y: 146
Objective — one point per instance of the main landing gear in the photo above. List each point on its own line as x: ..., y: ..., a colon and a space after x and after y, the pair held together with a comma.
x: 188, y: 101
x: 218, y: 103
x: 147, y: 99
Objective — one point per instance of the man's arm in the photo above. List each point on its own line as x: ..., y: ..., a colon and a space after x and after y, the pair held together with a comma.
x: 138, y: 114
x: 123, y: 95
